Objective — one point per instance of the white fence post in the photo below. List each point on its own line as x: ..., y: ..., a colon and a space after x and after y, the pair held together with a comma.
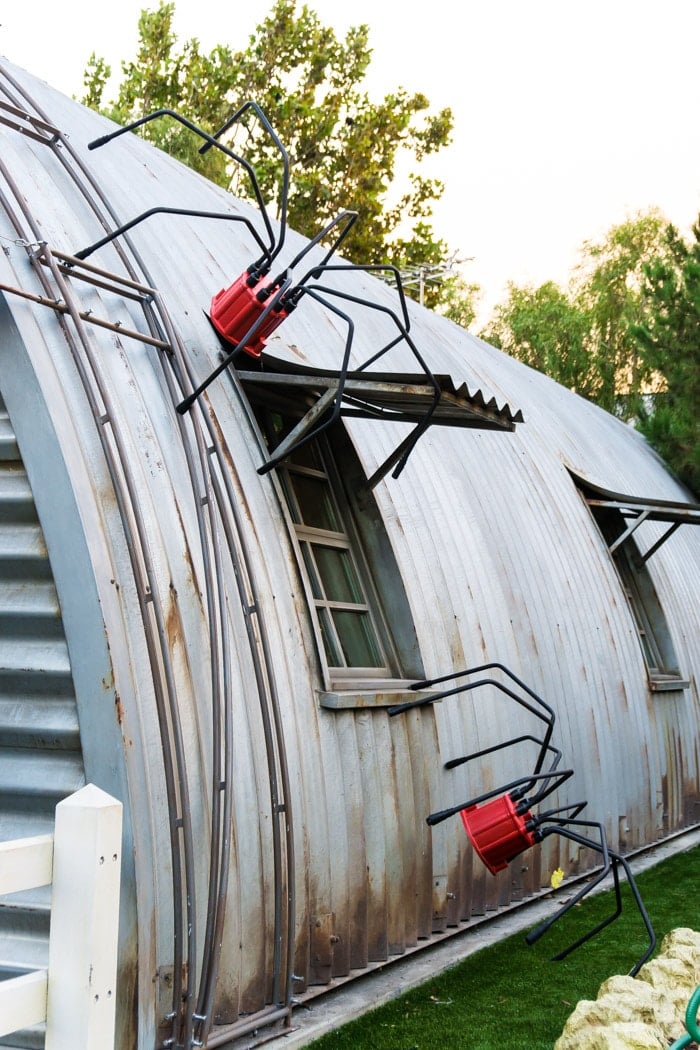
x: 83, y: 938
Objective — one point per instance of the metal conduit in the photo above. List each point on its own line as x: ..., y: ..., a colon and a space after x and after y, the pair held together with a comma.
x: 274, y: 739
x: 220, y: 674
x: 174, y: 768
x: 150, y: 606
x: 148, y: 596
x: 228, y: 503
x: 234, y: 531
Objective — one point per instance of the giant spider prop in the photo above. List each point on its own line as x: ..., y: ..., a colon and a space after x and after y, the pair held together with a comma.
x: 501, y: 824
x: 246, y: 313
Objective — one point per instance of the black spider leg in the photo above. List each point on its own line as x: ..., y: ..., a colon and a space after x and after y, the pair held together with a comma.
x: 402, y: 453
x: 367, y: 268
x: 573, y: 809
x: 610, y: 859
x: 454, y: 762
x: 104, y: 139
x: 619, y: 859
x: 85, y: 252
x: 284, y: 195
x: 327, y: 416
x: 272, y: 303
x: 348, y: 218
x: 595, y: 930
x: 601, y: 847
x: 402, y: 326
x: 402, y: 336
x: 548, y: 719
x: 517, y: 789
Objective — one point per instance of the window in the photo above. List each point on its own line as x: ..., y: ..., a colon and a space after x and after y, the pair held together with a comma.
x: 366, y: 638
x: 350, y: 633
x: 644, y: 603
x: 618, y: 518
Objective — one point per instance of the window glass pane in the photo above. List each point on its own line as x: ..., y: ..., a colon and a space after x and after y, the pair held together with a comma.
x: 652, y: 661
x: 647, y: 624
x: 315, y: 502
x: 639, y: 589
x: 340, y: 583
x: 330, y: 642
x: 357, y: 638
x: 307, y: 455
x: 272, y: 425
x: 311, y: 569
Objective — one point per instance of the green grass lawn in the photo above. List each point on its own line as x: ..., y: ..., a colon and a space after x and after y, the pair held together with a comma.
x: 511, y: 997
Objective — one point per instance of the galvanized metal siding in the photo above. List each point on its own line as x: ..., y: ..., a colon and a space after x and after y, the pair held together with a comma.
x: 498, y: 555
x: 40, y: 757
x: 123, y: 447
x: 41, y: 760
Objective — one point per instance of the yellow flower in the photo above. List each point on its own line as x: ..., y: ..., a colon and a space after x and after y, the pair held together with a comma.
x: 557, y: 878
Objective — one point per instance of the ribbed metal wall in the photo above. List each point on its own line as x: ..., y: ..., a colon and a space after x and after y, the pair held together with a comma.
x: 40, y: 758
x: 497, y: 552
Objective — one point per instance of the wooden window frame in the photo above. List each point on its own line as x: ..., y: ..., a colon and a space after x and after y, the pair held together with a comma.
x: 346, y: 685
x: 618, y: 519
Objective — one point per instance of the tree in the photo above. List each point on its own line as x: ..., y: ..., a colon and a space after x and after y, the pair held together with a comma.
x: 669, y: 341
x: 607, y: 287
x: 544, y: 328
x: 625, y: 334
x: 581, y: 336
x: 459, y: 300
x: 344, y: 148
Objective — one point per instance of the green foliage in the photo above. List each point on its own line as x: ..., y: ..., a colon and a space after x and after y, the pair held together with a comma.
x: 511, y: 995
x: 581, y: 336
x: 548, y: 331
x: 626, y: 333
x: 344, y: 148
x: 607, y: 286
x: 669, y: 343
x: 459, y: 300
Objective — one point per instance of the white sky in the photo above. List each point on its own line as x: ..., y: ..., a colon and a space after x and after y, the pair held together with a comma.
x: 570, y: 115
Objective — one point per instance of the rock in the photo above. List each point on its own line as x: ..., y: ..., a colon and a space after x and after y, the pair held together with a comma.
x: 646, y: 1012
x: 621, y: 1035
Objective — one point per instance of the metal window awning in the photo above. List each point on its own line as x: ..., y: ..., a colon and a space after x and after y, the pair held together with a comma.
x: 637, y: 509
x: 388, y: 396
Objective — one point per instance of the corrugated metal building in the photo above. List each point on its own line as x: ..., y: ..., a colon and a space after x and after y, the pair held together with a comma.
x: 169, y: 631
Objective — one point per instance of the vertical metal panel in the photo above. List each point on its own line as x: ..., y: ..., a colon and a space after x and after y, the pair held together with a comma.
x: 40, y: 758
x: 39, y: 735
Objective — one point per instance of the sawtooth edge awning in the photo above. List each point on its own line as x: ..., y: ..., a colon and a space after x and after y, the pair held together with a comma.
x: 395, y: 396
x: 387, y: 396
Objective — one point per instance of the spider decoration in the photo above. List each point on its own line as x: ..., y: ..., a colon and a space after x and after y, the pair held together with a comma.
x: 246, y: 313
x: 501, y: 824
